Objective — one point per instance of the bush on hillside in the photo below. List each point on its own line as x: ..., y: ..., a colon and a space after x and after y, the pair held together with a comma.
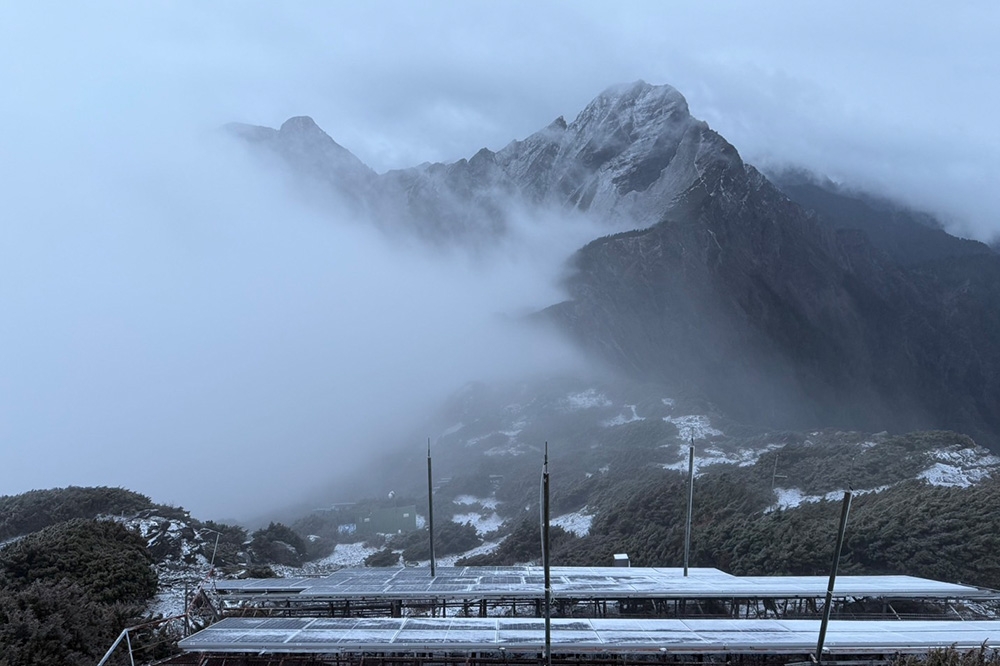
x: 231, y: 541
x: 57, y: 622
x: 106, y: 560
x: 278, y: 544
x: 449, y: 538
x: 383, y: 558
x: 37, y: 509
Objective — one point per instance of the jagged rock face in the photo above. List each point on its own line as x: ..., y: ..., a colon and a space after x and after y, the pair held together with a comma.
x: 628, y: 156
x: 728, y: 288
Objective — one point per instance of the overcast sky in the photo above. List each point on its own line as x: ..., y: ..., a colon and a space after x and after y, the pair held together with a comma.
x: 158, y: 293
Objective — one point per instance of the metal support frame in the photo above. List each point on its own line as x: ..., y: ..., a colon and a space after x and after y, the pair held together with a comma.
x: 844, y: 512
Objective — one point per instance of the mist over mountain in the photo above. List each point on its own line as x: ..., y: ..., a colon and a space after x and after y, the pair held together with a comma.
x: 830, y: 311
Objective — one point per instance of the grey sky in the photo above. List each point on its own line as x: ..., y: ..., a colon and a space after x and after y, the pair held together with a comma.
x: 159, y: 292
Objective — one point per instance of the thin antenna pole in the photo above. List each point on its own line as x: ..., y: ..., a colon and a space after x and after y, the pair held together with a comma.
x: 833, y: 575
x: 687, y: 528
x: 430, y: 506
x: 545, y: 558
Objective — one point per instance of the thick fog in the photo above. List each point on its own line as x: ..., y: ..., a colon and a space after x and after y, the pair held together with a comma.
x: 173, y: 320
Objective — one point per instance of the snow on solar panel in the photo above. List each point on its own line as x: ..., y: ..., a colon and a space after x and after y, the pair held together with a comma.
x: 591, y: 582
x: 588, y: 635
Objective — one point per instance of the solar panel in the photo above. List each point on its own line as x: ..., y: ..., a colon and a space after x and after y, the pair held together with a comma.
x: 317, y: 635
x: 591, y: 583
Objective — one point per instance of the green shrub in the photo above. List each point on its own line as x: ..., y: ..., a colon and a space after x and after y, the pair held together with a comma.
x: 278, y: 544
x: 383, y: 558
x: 106, y: 560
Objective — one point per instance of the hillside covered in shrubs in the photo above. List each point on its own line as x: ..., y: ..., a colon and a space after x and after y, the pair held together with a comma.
x: 68, y: 590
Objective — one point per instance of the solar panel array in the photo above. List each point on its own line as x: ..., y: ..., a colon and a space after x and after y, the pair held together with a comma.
x: 525, y: 582
x: 332, y: 635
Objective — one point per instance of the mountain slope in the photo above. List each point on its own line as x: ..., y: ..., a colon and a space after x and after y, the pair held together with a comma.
x: 784, y: 321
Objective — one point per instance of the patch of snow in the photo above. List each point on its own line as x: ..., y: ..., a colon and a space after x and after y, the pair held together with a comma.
x: 959, y: 467
x: 472, y: 441
x: 605, y: 469
x: 789, y: 498
x: 485, y: 502
x: 510, y: 450
x: 348, y: 555
x: 577, y: 522
x: 940, y: 474
x: 449, y: 560
x: 483, y: 524
x: 692, y: 426
x: 742, y: 457
x: 453, y: 429
x: 623, y: 418
x: 585, y: 400
x: 669, y: 402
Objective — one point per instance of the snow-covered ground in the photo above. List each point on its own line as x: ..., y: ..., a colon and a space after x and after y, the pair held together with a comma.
x: 577, y: 522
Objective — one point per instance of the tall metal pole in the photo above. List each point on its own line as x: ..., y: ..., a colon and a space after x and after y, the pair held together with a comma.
x: 845, y: 510
x: 687, y: 528
x: 545, y: 558
x: 430, y: 505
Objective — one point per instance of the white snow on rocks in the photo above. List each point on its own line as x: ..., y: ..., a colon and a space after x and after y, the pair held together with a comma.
x: 693, y: 426
x: 940, y: 474
x: 347, y: 555
x: 483, y: 524
x: 742, y: 457
x: 485, y: 502
x: 789, y: 498
x: 624, y: 418
x: 449, y: 560
x: 585, y: 400
x: 577, y: 522
x: 959, y: 467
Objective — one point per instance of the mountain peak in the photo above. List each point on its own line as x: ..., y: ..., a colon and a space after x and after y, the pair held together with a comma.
x: 301, y: 125
x: 638, y: 96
